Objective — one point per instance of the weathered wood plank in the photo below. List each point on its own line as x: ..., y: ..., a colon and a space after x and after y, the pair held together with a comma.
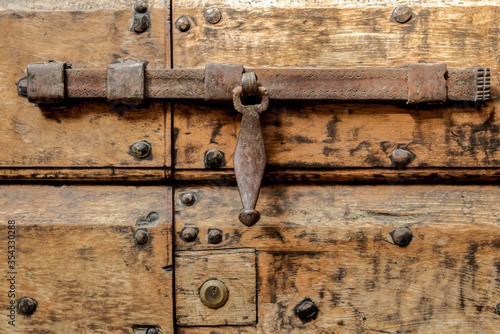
x: 309, y: 36
x: 235, y: 268
x: 342, y: 135
x: 82, y: 174
x: 449, y: 288
x: 365, y: 175
x: 85, y: 133
x: 319, y: 217
x: 332, y: 244
x: 75, y: 254
x: 51, y: 5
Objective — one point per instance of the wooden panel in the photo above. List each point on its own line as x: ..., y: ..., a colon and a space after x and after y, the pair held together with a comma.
x: 317, y: 218
x: 82, y: 133
x: 235, y: 268
x: 82, y: 174
x: 300, y: 135
x: 444, y: 289
x: 365, y: 175
x: 75, y: 254
x: 332, y: 244
x: 50, y: 5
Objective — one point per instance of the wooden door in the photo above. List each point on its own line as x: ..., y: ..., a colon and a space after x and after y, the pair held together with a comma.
x: 82, y: 234
x: 98, y: 239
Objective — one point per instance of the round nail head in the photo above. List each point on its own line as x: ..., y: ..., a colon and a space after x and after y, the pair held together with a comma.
x: 401, y: 157
x: 141, y: 236
x: 141, y: 149
x: 213, y: 293
x: 214, y: 236
x: 27, y: 305
x: 188, y: 199
x: 214, y: 158
x: 306, y: 310
x: 152, y: 331
x: 189, y: 234
x: 141, y: 6
x: 402, y: 236
x: 183, y: 24
x: 402, y: 14
x: 141, y: 23
x: 213, y: 15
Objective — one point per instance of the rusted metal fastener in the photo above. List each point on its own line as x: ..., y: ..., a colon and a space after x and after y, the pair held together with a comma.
x: 189, y: 234
x: 22, y: 87
x: 249, y: 85
x: 414, y: 83
x: 153, y: 330
x: 214, y: 236
x: 141, y: 236
x: 183, y: 24
x: 214, y: 158
x: 141, y: 6
x: 213, y: 15
x: 306, y: 310
x: 153, y: 217
x: 402, y: 14
x: 141, y: 149
x: 401, y: 236
x: 250, y: 155
x: 141, y: 23
x: 401, y: 157
x: 213, y: 293
x: 27, y: 305
x: 188, y: 199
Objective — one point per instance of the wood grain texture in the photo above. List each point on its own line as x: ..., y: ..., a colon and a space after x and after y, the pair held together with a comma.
x: 50, y: 5
x: 236, y: 268
x: 76, y: 255
x: 358, y: 175
x: 325, y: 3
x: 342, y: 135
x: 84, y: 175
x: 332, y: 244
x: 85, y: 133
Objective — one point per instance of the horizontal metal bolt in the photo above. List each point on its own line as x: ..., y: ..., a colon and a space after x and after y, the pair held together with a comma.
x: 189, y: 234
x: 214, y: 236
x: 214, y: 158
x: 183, y: 24
x: 188, y: 199
x: 402, y: 14
x: 402, y: 236
x: 141, y: 149
x: 141, y: 236
x: 27, y: 305
x: 213, y: 15
x: 306, y: 310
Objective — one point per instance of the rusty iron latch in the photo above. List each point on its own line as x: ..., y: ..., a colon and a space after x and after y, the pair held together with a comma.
x: 132, y: 83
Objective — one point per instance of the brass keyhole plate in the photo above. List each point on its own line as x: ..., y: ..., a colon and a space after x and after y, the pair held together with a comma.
x: 213, y: 293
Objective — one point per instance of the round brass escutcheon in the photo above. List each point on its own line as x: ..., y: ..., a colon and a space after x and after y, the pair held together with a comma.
x: 213, y: 293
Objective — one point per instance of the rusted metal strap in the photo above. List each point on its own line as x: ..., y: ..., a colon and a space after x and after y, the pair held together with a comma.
x: 415, y: 83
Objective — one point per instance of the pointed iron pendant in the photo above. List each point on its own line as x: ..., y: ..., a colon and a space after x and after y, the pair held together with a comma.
x: 250, y: 155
